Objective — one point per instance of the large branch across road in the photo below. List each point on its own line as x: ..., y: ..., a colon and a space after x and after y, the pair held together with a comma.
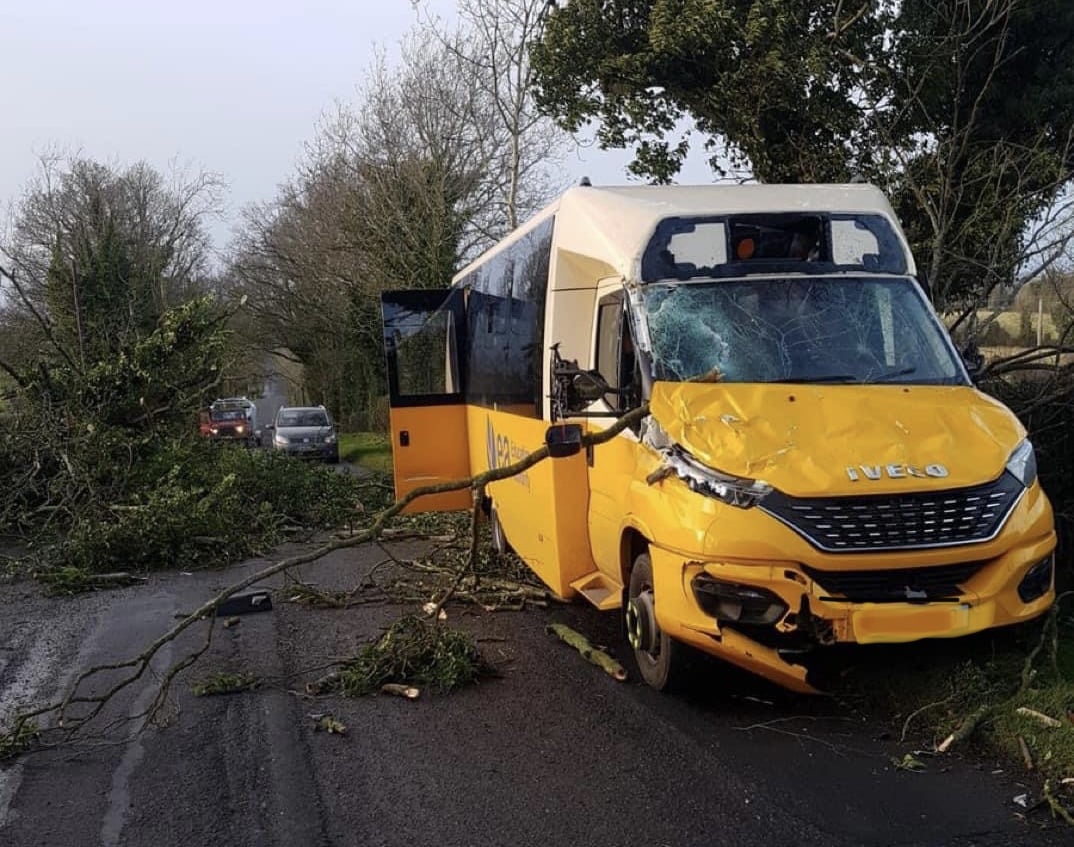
x: 137, y: 666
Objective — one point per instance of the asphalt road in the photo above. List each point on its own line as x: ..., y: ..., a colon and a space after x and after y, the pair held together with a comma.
x: 551, y: 753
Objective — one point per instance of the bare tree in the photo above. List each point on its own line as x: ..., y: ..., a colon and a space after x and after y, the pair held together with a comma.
x: 492, y: 44
x: 398, y: 190
x: 984, y: 198
x: 94, y: 250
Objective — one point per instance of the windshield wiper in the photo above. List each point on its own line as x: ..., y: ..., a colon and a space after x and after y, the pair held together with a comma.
x: 821, y: 378
x: 887, y: 377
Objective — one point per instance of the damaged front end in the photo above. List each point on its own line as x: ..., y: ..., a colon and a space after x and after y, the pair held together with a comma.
x: 744, y: 574
x: 731, y: 614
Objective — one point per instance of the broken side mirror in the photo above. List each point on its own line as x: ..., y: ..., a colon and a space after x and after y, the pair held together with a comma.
x: 563, y: 440
x: 589, y: 386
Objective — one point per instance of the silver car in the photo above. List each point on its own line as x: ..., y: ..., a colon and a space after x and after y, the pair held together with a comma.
x: 305, y: 431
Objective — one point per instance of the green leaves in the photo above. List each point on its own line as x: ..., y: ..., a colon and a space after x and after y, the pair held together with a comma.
x: 763, y: 80
x: 962, y: 111
x: 417, y: 652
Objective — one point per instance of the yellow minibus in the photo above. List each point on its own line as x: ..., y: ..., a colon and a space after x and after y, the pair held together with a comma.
x: 815, y: 467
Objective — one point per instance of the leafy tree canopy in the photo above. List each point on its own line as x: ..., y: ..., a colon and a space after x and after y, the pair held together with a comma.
x: 962, y: 109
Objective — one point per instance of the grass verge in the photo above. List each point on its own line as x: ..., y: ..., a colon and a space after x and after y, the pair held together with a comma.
x: 371, y: 450
x: 1025, y: 711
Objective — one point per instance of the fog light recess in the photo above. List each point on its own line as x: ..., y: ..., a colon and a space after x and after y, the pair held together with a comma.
x: 731, y: 602
x: 1038, y: 580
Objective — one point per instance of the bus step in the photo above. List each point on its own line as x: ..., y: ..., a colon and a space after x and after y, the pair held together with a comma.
x: 599, y: 590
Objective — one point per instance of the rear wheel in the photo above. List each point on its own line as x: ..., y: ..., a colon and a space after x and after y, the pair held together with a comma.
x: 499, y: 540
x: 662, y: 661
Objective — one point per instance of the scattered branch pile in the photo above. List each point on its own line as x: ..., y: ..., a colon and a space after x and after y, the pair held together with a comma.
x: 78, y: 713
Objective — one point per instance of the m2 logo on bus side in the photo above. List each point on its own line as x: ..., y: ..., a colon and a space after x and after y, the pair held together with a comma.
x: 501, y: 452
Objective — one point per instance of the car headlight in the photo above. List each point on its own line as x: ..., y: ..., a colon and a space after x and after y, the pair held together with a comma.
x: 733, y: 490
x: 240, y: 429
x: 1023, y: 463
x: 282, y: 439
x: 329, y: 439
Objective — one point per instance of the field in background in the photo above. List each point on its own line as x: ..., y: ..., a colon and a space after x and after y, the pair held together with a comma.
x: 371, y: 450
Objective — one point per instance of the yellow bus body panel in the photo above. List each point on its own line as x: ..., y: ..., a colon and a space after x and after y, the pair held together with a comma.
x: 435, y: 453
x: 543, y: 510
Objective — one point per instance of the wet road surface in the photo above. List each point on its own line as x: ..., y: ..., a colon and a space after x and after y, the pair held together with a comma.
x: 552, y: 753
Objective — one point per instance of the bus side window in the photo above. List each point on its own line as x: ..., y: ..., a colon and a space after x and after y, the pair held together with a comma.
x: 615, y: 360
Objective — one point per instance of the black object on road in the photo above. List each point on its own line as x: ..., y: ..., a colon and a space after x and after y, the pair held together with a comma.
x: 241, y: 604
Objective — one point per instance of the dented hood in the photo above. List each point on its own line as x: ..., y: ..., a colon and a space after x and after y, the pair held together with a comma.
x: 803, y: 438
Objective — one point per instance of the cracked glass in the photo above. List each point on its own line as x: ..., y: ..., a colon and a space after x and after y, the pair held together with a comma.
x: 796, y: 329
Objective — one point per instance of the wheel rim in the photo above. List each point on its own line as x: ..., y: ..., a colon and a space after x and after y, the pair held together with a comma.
x: 642, y: 630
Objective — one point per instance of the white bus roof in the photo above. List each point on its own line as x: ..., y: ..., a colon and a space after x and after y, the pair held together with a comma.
x: 614, y: 224
x: 619, y: 221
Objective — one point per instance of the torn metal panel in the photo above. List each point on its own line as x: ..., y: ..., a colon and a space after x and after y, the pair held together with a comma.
x: 801, y: 439
x: 732, y: 490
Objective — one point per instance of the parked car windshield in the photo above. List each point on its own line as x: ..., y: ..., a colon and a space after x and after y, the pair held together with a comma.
x: 798, y: 329
x: 310, y: 417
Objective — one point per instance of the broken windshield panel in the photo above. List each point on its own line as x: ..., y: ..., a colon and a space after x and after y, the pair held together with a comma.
x: 797, y: 329
x: 739, y: 245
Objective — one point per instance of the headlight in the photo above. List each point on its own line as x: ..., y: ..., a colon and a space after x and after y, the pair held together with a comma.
x: 733, y: 490
x: 329, y: 439
x: 282, y: 439
x: 214, y: 430
x: 240, y: 430
x: 1023, y: 463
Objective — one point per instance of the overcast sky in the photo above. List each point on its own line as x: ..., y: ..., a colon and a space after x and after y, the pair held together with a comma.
x: 231, y: 86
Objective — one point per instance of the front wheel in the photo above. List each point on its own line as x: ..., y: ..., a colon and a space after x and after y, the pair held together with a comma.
x: 661, y: 660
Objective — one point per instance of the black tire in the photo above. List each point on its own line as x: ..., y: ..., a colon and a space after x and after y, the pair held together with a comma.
x: 496, y: 534
x: 662, y: 661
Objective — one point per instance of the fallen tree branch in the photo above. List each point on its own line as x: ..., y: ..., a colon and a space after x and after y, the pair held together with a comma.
x: 1058, y: 809
x: 74, y: 726
x: 1048, y: 638
x: 965, y: 729
x: 588, y: 652
x: 916, y: 712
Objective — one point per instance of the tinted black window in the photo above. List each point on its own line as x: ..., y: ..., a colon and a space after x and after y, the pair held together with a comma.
x: 505, y: 315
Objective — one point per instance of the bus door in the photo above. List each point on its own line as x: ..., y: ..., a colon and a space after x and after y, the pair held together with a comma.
x: 424, y: 334
x: 612, y: 464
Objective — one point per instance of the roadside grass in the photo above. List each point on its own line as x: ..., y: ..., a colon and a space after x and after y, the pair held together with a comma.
x: 928, y: 693
x: 371, y: 450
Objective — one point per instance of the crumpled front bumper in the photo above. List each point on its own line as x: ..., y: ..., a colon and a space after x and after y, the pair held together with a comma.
x: 816, y: 619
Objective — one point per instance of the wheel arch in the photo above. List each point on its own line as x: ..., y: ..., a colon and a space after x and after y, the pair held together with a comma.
x: 632, y: 543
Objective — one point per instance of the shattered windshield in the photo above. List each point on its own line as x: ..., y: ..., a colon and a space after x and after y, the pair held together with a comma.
x: 852, y: 330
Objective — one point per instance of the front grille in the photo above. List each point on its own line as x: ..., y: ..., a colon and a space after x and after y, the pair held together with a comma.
x: 902, y: 585
x: 899, y: 521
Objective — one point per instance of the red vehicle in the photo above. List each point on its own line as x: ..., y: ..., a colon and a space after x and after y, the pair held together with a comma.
x: 228, y: 420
